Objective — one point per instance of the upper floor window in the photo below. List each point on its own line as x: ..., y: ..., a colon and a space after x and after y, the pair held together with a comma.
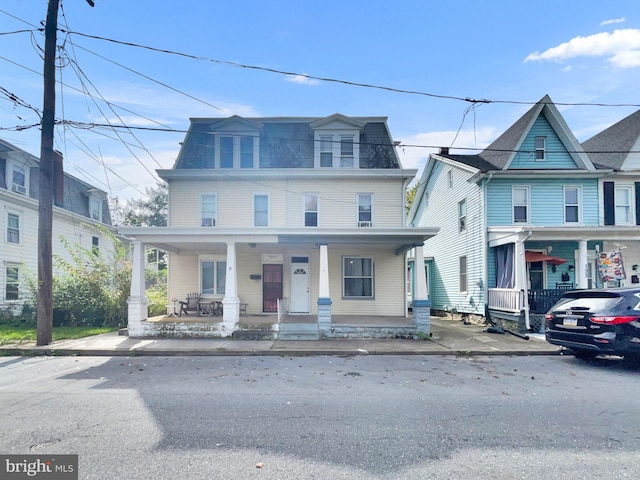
x: 337, y: 150
x: 462, y: 215
x: 326, y: 151
x: 572, y: 204
x: 365, y: 210
x: 13, y: 228
x: 540, y: 146
x: 95, y: 245
x: 260, y: 210
x: 357, y: 274
x: 311, y: 210
x: 520, y: 204
x: 95, y: 208
x: 450, y: 178
x: 234, y: 151
x: 623, y: 205
x: 12, y: 282
x: 19, y: 180
x: 346, y: 151
x: 208, y: 210
x: 462, y: 263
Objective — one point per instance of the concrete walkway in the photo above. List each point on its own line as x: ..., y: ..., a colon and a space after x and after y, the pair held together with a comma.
x: 448, y: 337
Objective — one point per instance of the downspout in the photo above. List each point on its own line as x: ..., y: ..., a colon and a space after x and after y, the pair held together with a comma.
x: 485, y: 276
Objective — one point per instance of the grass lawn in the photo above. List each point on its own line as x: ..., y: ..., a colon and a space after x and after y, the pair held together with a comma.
x: 27, y: 333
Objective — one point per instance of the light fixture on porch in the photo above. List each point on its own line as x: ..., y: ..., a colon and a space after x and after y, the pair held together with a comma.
x: 570, y: 268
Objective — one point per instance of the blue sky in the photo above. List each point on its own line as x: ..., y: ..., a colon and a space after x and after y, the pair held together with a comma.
x: 583, y: 51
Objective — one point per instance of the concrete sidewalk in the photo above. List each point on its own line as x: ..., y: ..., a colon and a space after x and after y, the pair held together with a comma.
x: 448, y: 337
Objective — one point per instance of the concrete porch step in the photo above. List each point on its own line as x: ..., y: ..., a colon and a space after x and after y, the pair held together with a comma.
x: 298, y: 331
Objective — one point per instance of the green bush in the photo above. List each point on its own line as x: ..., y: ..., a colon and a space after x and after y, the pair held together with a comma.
x: 157, y: 296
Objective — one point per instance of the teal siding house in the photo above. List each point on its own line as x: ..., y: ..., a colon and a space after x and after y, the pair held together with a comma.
x: 529, y: 216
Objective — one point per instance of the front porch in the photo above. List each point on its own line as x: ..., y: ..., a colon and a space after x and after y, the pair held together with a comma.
x: 289, y: 327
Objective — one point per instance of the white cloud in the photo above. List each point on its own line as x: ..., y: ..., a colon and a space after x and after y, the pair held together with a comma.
x: 302, y: 79
x: 622, y: 47
x: 613, y: 20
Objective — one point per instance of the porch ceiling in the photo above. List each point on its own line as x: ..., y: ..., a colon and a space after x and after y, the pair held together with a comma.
x: 173, y: 239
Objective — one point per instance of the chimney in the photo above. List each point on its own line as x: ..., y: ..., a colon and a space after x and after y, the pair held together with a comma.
x: 444, y: 151
x: 58, y: 179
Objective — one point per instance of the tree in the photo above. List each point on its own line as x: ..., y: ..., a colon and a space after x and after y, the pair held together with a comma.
x: 150, y: 211
x: 411, y: 196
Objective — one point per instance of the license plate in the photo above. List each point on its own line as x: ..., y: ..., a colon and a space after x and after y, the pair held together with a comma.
x: 570, y: 322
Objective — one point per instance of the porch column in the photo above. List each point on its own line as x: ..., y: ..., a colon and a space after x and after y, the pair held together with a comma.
x: 581, y: 267
x: 324, y: 298
x: 138, y: 304
x: 230, y: 302
x: 420, y: 302
x: 522, y: 281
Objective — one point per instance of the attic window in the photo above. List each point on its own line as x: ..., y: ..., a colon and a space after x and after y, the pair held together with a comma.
x: 18, y: 182
x: 540, y: 144
x: 95, y: 208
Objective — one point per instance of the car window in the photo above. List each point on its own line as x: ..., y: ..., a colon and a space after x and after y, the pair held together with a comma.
x: 588, y: 303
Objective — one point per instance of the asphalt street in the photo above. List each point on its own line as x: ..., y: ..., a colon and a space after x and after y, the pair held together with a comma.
x: 356, y: 417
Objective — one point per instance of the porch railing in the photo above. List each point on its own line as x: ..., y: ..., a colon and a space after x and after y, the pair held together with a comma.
x: 506, y: 299
x: 540, y: 301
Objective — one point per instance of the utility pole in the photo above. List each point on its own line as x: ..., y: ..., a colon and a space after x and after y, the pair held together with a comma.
x: 44, y: 326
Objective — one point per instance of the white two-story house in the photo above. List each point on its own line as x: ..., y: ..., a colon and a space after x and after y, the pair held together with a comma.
x: 284, y: 216
x: 80, y: 216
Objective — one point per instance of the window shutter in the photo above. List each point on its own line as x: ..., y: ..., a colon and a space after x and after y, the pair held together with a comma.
x: 637, y: 185
x: 609, y: 206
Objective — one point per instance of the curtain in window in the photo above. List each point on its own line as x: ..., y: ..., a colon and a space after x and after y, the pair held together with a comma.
x: 505, y: 274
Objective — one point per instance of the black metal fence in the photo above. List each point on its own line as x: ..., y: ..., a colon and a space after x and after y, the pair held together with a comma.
x: 540, y: 301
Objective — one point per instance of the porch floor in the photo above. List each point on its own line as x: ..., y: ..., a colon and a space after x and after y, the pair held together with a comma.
x: 265, y: 319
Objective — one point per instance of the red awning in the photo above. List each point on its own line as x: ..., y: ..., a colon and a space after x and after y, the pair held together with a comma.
x: 541, y: 257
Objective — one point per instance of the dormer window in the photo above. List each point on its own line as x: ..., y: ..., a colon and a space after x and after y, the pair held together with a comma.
x: 540, y: 145
x: 19, y: 180
x: 326, y: 151
x: 236, y: 151
x: 95, y: 208
x: 346, y: 151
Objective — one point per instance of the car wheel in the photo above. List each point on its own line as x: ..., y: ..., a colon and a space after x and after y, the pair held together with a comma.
x: 632, y: 358
x: 584, y: 354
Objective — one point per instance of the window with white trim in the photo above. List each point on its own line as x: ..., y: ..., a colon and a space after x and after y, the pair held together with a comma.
x: 236, y: 151
x: 463, y: 273
x: 540, y: 147
x: 326, y: 151
x: 572, y: 199
x: 623, y: 205
x: 520, y: 204
x: 212, y: 276
x: 208, y: 210
x: 18, y: 180
x: 12, y: 282
x: 260, y: 210
x: 95, y: 208
x: 336, y: 150
x: 357, y: 277
x: 365, y: 210
x: 311, y: 205
x: 346, y: 151
x: 13, y: 228
x: 462, y: 215
x: 450, y: 178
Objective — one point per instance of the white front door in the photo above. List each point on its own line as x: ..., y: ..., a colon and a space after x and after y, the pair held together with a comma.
x: 299, y: 288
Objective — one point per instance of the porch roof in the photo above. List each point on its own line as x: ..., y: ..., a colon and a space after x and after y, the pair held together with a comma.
x: 180, y: 239
x: 508, y: 234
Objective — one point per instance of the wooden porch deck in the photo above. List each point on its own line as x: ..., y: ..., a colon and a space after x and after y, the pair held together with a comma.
x: 265, y: 319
